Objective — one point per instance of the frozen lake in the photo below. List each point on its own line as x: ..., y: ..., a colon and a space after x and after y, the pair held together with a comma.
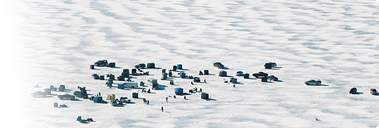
x: 55, y: 41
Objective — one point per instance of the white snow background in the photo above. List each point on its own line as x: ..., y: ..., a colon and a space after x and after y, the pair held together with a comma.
x: 53, y: 42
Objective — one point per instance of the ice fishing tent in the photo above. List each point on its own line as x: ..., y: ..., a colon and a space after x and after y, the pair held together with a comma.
x: 178, y: 91
x: 135, y: 95
x: 233, y: 80
x: 62, y: 88
x: 153, y: 82
x: 98, y: 99
x: 206, y: 72
x: 205, y: 96
x: 222, y: 73
x: 111, y: 96
x: 150, y: 65
x: 120, y: 86
x: 125, y: 73
x: 182, y: 75
x: 179, y: 66
x: 134, y: 71
x: 246, y: 75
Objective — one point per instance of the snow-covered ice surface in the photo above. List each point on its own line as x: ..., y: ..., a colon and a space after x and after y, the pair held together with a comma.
x: 332, y: 40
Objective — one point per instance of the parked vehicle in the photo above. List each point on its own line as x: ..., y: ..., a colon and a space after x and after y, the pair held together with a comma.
x: 114, y: 102
x: 270, y: 65
x: 140, y: 66
x: 313, y: 82
x: 239, y: 73
x: 125, y: 100
x: 373, y: 91
x: 101, y: 63
x: 66, y: 97
x: 79, y: 118
x: 353, y: 91
x: 260, y: 74
x: 95, y: 76
x: 218, y: 65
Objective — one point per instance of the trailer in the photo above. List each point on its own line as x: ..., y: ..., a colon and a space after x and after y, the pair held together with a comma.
x: 130, y: 85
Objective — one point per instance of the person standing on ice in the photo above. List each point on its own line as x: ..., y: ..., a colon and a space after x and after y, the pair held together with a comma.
x: 162, y: 108
x: 205, y: 81
x: 191, y: 82
x: 166, y: 99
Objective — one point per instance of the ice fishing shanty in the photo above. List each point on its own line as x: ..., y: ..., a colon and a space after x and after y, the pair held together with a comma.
x: 182, y: 75
x: 111, y: 96
x: 150, y: 65
x: 178, y: 91
x: 223, y: 73
x: 153, y: 82
x: 204, y: 96
x: 179, y: 66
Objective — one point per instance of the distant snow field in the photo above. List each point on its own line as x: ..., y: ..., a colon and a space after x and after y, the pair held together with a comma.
x: 335, y: 41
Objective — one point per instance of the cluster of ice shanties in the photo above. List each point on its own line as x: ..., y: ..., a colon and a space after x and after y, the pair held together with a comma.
x: 332, y: 44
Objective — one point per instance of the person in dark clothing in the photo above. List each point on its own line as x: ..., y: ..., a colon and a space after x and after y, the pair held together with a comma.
x: 162, y: 108
x: 201, y: 90
x: 174, y: 96
x: 205, y: 81
x: 185, y: 97
x: 234, y: 85
x: 191, y: 82
x: 166, y: 99
x: 99, y: 94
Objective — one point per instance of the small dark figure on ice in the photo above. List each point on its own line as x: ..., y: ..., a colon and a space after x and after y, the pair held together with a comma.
x: 166, y: 99
x: 317, y: 119
x: 162, y: 108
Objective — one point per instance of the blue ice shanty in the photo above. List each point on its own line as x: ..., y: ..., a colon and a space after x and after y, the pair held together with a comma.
x: 182, y: 75
x: 179, y: 66
x: 222, y: 73
x: 120, y: 86
x: 178, y: 91
x: 98, y: 99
